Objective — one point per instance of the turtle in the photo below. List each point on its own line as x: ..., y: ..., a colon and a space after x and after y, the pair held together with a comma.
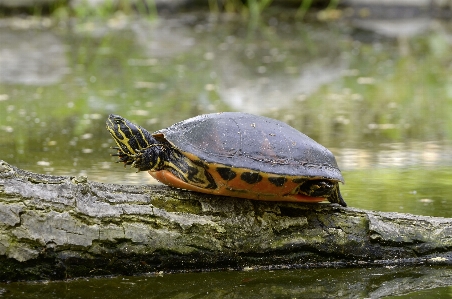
x: 232, y: 154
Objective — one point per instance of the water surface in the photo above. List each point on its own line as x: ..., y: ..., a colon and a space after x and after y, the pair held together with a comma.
x: 325, y: 283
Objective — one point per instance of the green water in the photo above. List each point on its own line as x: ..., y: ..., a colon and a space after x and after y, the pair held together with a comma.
x: 329, y: 283
x: 382, y: 105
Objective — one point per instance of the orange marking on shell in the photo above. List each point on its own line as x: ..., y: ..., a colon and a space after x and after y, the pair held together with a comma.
x: 238, y: 188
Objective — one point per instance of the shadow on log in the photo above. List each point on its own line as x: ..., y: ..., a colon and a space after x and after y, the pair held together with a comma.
x: 64, y: 227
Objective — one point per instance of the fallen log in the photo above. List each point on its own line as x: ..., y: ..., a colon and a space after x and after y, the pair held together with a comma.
x: 57, y: 227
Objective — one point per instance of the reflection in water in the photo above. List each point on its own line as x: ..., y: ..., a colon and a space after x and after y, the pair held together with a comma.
x: 396, y: 155
x: 31, y: 57
x: 163, y: 38
x: 395, y: 28
x: 314, y: 283
x: 276, y: 89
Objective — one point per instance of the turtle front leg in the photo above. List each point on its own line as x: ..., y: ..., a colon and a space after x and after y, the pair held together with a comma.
x: 123, y: 158
x: 150, y: 158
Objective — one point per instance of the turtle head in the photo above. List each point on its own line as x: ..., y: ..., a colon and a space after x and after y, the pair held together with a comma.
x: 136, y: 146
x: 129, y: 137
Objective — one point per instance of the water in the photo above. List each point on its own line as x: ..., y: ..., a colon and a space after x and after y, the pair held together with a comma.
x: 325, y: 283
x: 381, y: 103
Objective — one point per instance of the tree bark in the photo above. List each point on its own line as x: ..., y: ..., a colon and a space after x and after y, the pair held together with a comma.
x: 54, y: 227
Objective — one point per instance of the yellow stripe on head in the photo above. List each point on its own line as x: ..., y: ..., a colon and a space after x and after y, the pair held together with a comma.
x: 128, y: 136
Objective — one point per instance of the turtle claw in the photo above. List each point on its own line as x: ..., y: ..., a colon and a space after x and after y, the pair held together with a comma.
x: 134, y: 158
x: 136, y: 166
x: 137, y: 159
x: 122, y: 157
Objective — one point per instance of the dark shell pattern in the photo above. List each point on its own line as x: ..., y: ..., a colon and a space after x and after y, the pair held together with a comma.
x: 252, y: 142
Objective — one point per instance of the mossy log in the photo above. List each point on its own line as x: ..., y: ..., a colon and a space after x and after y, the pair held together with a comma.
x: 56, y: 227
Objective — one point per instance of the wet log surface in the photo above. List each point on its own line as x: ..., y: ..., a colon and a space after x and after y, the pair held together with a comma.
x: 65, y: 227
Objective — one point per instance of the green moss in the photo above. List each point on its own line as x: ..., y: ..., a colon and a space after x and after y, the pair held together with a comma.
x: 174, y: 204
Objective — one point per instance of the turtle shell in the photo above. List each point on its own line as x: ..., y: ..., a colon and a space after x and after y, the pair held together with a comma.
x: 247, y: 141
